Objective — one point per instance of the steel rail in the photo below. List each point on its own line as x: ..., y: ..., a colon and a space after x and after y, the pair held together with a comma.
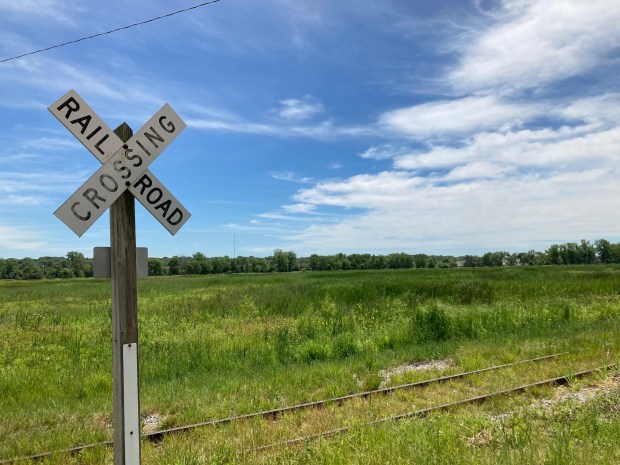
x: 274, y: 413
x: 560, y: 380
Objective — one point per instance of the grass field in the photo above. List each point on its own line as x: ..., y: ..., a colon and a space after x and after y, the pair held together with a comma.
x: 215, y: 346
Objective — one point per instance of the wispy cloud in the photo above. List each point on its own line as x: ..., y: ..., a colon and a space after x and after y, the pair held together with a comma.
x: 24, y: 200
x: 299, y: 208
x: 52, y: 143
x: 299, y: 109
x: 535, y: 43
x: 323, y: 130
x: 49, y: 9
x: 505, y: 153
x: 292, y: 177
x: 25, y: 183
x: 384, y: 152
x: 454, y: 118
x: 541, y: 149
x: 18, y: 238
x: 405, y: 212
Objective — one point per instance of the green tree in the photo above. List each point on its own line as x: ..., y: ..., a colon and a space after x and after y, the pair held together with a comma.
x: 553, y: 255
x: 420, y: 260
x: 174, y: 266
x: 155, y: 267
x: 587, y: 252
x: 12, y: 269
x: 570, y: 253
x: 399, y: 261
x: 30, y: 269
x: 76, y: 263
x: 494, y: 258
x: 193, y: 267
x: 603, y: 251
x: 472, y: 261
x: 221, y: 264
x: 284, y: 261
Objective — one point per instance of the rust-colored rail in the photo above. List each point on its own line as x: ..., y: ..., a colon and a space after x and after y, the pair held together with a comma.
x: 560, y: 380
x: 273, y: 413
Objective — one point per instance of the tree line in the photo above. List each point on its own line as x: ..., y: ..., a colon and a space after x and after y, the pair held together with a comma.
x: 75, y: 264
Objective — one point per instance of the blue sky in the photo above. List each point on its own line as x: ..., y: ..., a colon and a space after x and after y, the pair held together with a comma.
x: 448, y: 127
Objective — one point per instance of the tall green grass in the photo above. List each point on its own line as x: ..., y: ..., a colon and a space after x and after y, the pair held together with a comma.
x: 211, y: 346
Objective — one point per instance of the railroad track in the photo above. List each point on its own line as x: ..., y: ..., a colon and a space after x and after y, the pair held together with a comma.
x: 274, y: 413
x: 560, y: 380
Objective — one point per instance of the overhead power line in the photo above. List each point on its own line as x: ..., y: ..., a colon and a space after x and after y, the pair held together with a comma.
x: 111, y: 31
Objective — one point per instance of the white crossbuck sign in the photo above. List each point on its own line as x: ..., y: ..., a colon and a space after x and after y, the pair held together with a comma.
x: 124, y: 165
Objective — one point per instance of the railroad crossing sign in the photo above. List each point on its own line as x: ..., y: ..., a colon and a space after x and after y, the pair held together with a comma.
x: 123, y: 175
x: 124, y: 165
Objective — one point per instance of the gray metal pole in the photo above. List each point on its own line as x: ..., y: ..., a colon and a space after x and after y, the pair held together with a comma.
x: 124, y: 325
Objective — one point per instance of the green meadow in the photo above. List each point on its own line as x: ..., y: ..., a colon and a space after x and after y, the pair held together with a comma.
x: 221, y: 345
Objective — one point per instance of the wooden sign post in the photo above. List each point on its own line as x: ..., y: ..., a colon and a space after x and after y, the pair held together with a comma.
x: 123, y: 272
x: 122, y: 177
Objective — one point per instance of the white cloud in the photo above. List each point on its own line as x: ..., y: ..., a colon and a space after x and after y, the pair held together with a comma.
x: 24, y: 200
x: 54, y: 9
x: 292, y: 177
x: 324, y: 130
x: 543, y: 148
x: 22, y: 239
x: 383, y: 152
x: 366, y: 191
x: 457, y: 117
x: 299, y: 208
x: 52, y: 143
x: 479, y: 170
x: 43, y: 183
x: 427, y: 215
x: 598, y: 111
x: 534, y: 43
x: 299, y: 110
x: 231, y: 126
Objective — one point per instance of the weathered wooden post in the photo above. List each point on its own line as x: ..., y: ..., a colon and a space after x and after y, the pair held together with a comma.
x: 122, y: 176
x: 125, y: 377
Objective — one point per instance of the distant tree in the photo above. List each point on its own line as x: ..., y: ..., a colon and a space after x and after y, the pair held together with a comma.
x: 494, y: 258
x: 570, y: 253
x: 193, y: 267
x: 199, y: 264
x: 155, y: 267
x: 260, y: 265
x: 420, y: 260
x: 284, y: 261
x: 221, y: 264
x: 472, y: 261
x: 66, y: 273
x: 76, y: 263
x: 615, y: 253
x: 342, y: 262
x: 174, y: 266
x: 12, y: 269
x: 587, y: 252
x: 30, y: 269
x: 603, y: 251
x: 206, y: 266
x: 553, y: 255
x: 399, y: 261
x: 378, y: 262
